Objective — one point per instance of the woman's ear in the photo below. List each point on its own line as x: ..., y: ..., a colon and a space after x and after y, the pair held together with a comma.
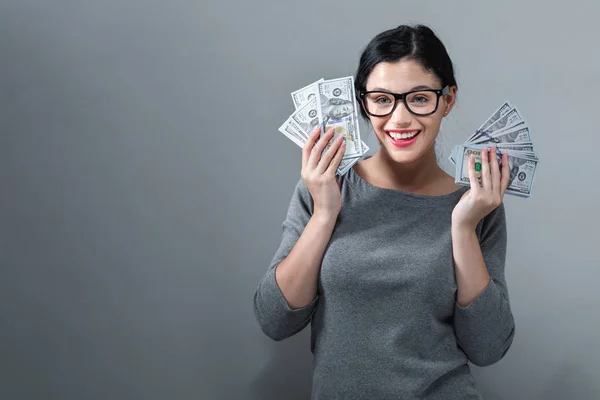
x: 450, y: 99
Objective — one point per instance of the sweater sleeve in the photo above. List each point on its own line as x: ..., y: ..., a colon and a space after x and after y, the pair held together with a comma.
x: 485, y: 327
x: 273, y: 313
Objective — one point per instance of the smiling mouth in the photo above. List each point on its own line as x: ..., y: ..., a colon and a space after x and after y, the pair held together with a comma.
x: 403, y: 135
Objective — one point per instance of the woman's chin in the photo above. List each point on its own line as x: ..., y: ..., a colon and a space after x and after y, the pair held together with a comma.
x: 405, y: 156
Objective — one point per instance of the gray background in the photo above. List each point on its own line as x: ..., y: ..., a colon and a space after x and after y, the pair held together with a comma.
x: 144, y: 182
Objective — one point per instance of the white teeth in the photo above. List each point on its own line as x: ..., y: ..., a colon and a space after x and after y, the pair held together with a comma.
x: 402, y: 135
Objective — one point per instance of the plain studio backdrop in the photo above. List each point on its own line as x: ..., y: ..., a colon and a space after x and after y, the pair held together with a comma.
x: 144, y: 183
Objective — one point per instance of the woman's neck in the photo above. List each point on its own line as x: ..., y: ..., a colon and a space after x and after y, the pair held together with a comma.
x: 423, y: 176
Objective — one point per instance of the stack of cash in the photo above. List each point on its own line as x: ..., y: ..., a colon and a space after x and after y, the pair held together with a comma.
x: 509, y: 132
x: 327, y: 103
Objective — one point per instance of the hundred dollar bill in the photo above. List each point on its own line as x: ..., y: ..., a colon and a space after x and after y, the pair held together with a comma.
x: 511, y: 117
x: 306, y: 117
x: 348, y: 163
x: 515, y: 125
x: 303, y: 95
x: 511, y: 136
x: 510, y: 127
x: 502, y: 110
x: 525, y: 150
x: 522, y: 175
x: 522, y: 170
x: 292, y: 132
x: 525, y: 146
x: 292, y: 126
x: 336, y: 107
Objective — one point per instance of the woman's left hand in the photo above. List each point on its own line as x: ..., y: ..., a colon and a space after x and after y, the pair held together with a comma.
x: 482, y: 199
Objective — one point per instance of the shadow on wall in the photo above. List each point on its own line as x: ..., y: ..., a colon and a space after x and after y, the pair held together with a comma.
x: 288, y: 373
x: 488, y: 394
x: 571, y: 381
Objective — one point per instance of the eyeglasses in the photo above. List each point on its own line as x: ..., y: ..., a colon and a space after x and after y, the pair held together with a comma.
x: 419, y: 102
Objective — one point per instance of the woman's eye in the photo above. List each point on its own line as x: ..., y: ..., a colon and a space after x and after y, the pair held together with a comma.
x: 382, y: 100
x: 420, y: 99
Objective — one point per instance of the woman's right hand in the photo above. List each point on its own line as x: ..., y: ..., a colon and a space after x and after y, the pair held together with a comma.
x: 319, y: 173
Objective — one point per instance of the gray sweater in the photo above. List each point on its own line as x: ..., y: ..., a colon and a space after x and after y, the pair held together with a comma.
x: 385, y: 323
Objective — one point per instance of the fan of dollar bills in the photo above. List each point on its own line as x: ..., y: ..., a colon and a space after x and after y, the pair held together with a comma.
x: 506, y: 130
x: 327, y: 103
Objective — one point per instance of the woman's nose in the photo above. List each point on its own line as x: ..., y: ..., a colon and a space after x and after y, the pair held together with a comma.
x: 401, y: 116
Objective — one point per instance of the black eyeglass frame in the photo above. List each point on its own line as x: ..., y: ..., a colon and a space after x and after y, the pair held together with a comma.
x: 402, y: 96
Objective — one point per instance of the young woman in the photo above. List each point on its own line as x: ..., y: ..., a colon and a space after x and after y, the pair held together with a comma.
x: 399, y: 271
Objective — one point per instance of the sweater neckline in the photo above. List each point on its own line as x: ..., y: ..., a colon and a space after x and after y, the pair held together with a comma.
x: 420, y: 199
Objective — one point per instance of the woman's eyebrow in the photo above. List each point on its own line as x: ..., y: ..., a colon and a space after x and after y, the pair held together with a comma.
x: 420, y: 87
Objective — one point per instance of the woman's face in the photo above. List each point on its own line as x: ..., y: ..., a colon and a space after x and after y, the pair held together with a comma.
x: 401, y: 77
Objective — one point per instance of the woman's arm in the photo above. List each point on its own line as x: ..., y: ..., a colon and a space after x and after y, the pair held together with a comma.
x: 472, y: 275
x: 298, y: 273
x: 483, y: 320
x: 287, y: 295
